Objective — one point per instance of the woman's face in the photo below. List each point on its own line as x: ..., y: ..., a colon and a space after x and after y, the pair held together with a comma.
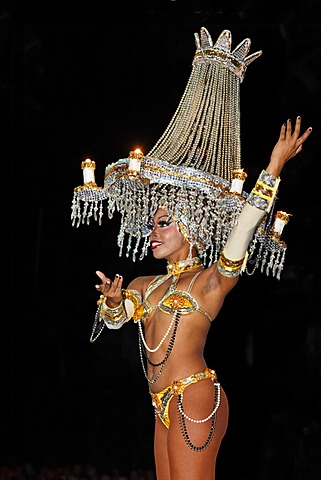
x: 165, y: 238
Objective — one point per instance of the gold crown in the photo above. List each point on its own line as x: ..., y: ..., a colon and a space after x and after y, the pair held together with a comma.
x: 235, y: 61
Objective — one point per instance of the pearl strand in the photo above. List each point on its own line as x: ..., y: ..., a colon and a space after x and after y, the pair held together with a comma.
x: 169, y: 351
x: 141, y: 333
x: 217, y: 404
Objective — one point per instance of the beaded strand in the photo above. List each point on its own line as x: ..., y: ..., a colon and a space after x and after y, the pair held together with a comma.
x: 182, y: 424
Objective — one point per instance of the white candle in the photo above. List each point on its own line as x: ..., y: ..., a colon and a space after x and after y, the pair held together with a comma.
x: 135, y: 158
x: 134, y: 165
x: 281, y: 219
x: 278, y: 226
x: 237, y: 185
x: 88, y: 167
x: 238, y: 180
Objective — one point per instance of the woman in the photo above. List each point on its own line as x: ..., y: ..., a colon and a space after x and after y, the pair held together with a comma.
x: 174, y: 314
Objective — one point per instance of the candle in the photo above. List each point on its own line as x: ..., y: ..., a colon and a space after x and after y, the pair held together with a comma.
x: 88, y: 166
x: 135, y: 157
x: 280, y: 220
x: 239, y: 177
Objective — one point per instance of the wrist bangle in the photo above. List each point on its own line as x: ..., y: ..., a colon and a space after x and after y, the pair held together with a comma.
x: 111, y: 316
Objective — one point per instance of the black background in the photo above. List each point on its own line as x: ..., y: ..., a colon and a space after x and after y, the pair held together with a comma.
x: 79, y: 80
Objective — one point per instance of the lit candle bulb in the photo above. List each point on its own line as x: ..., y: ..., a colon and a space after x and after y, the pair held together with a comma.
x: 135, y: 157
x: 238, y: 179
x: 88, y: 166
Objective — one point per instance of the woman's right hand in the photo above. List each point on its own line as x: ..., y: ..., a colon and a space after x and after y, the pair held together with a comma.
x: 111, y: 289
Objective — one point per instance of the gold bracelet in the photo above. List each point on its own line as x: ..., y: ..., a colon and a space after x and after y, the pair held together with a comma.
x: 113, y: 314
x: 264, y: 192
x: 230, y: 268
x: 230, y: 265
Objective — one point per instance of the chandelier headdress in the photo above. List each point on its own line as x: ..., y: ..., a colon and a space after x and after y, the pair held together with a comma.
x: 194, y: 169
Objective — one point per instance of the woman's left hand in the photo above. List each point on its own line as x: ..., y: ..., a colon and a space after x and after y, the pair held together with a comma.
x: 288, y: 146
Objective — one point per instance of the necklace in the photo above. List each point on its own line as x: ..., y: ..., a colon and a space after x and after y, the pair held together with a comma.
x: 181, y: 266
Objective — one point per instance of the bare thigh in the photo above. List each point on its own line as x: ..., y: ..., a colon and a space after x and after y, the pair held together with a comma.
x: 174, y: 459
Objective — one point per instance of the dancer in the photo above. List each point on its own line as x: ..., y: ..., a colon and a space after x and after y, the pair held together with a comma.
x: 185, y: 201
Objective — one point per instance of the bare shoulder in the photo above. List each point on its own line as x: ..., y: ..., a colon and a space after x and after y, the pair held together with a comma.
x: 141, y: 283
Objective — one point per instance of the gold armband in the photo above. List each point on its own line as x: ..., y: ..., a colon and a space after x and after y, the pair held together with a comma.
x: 264, y: 192
x: 230, y: 268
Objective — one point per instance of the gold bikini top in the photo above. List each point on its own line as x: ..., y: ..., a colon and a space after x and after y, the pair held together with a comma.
x: 174, y: 300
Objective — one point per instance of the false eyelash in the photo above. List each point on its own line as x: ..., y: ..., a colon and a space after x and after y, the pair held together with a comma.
x: 148, y: 227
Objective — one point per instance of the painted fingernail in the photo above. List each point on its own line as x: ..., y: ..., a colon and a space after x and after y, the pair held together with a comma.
x: 298, y: 117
